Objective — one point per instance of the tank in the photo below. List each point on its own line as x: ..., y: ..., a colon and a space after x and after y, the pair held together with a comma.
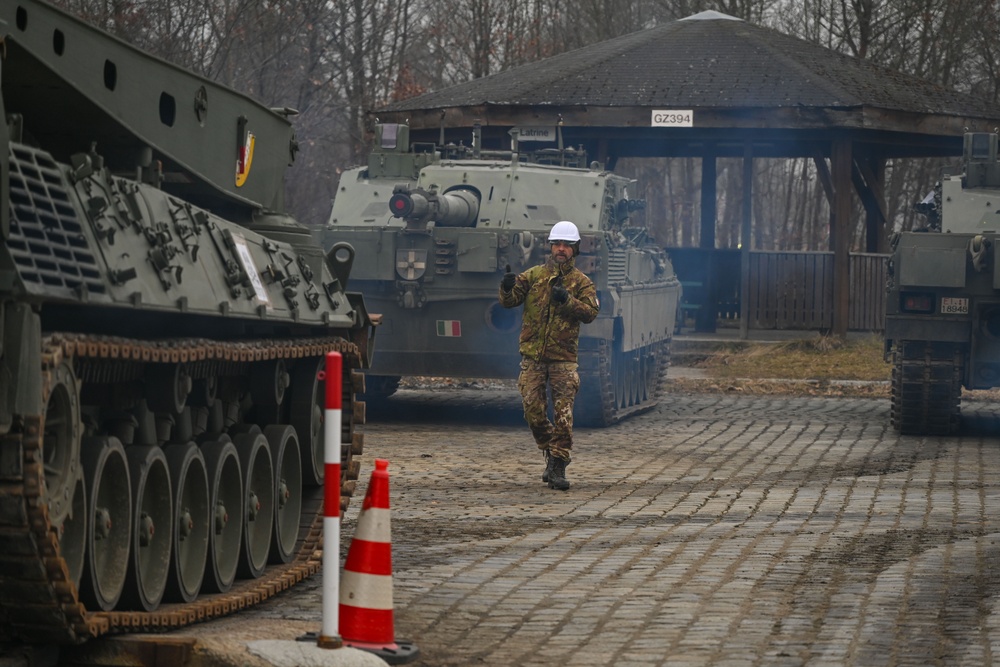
x: 436, y: 226
x: 942, y: 329
x: 164, y: 325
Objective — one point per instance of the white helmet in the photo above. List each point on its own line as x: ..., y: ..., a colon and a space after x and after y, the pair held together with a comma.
x: 564, y: 231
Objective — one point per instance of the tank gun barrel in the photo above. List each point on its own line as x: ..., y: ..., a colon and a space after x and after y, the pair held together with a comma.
x: 455, y: 208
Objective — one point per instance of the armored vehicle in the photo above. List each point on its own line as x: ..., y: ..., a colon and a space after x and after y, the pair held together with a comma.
x: 163, y: 326
x: 435, y: 227
x: 942, y: 329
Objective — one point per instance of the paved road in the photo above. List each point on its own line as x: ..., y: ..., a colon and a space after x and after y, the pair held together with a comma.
x: 715, y: 530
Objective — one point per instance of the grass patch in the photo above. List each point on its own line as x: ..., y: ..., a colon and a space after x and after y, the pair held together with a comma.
x: 820, y: 358
x: 753, y: 387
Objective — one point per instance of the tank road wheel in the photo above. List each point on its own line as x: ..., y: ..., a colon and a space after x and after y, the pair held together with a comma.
x: 258, y: 492
x: 169, y: 386
x: 618, y: 379
x: 625, y: 370
x: 652, y: 370
x: 287, y: 465
x: 636, y: 361
x: 110, y: 512
x: 268, y: 386
x: 592, y: 407
x: 268, y: 382
x: 307, y: 410
x: 306, y: 417
x: 190, y: 527
x: 73, y: 535
x: 926, y: 387
x: 616, y: 384
x: 646, y: 361
x: 226, y: 503
x: 61, y: 441
x: 149, y: 560
x: 659, y: 363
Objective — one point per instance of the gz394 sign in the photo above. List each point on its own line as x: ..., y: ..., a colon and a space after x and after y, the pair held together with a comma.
x: 672, y: 118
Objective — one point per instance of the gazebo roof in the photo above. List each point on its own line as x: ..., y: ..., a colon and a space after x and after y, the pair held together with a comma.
x: 732, y: 75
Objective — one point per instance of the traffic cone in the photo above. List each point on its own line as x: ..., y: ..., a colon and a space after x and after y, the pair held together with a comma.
x: 366, y: 618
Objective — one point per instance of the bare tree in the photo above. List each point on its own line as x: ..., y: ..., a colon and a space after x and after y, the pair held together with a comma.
x: 334, y: 62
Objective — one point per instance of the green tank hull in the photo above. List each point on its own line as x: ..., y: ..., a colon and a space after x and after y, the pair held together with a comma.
x: 163, y: 325
x: 942, y: 328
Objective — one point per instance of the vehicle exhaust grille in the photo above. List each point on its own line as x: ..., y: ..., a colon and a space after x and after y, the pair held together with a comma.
x: 46, y: 239
x: 617, y: 267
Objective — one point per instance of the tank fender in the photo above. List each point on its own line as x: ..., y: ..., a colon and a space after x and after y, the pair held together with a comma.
x: 608, y: 319
x: 644, y: 314
x: 611, y: 302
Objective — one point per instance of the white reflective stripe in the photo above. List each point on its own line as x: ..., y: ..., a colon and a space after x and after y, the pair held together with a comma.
x: 331, y: 576
x: 369, y: 591
x: 373, y: 525
x: 331, y: 436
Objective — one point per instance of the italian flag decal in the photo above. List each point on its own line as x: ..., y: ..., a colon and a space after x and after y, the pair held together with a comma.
x: 449, y: 328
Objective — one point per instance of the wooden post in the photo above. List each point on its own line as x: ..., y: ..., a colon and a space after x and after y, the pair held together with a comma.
x: 746, y: 241
x: 841, y: 235
x: 706, y: 316
x: 709, y: 176
x: 873, y: 173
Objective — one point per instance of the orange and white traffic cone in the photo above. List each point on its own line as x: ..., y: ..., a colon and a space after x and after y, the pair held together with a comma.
x: 366, y: 610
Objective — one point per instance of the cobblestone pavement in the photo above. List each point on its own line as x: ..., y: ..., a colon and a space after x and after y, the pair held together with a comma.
x: 714, y: 530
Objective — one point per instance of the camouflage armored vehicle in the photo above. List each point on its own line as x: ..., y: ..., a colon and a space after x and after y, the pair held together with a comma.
x: 942, y: 329
x: 162, y: 326
x: 435, y: 227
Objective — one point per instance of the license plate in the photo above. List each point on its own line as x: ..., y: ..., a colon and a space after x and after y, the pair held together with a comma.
x: 951, y: 305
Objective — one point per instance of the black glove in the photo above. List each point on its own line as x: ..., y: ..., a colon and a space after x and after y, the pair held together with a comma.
x: 507, y: 284
x: 559, y: 293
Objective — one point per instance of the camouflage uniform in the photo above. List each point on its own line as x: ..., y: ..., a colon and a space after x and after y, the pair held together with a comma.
x: 549, y: 341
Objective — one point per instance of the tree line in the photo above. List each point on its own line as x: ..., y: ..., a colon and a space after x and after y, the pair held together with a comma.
x: 336, y: 60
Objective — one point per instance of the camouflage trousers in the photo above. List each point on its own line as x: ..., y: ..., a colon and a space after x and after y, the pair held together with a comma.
x: 536, y: 380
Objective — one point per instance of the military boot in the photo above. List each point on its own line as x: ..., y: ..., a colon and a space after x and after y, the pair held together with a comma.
x: 548, y: 465
x: 557, y: 476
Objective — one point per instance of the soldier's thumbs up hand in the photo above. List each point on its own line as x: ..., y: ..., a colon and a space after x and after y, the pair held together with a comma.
x: 507, y: 284
x: 559, y: 293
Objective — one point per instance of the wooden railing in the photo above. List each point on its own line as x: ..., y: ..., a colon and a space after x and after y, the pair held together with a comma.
x: 787, y: 290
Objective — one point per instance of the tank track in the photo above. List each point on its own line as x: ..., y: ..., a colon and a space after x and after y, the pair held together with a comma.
x: 38, y: 599
x: 614, y: 386
x: 926, y: 387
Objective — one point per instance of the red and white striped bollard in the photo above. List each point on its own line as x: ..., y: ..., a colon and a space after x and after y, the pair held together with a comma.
x: 330, y: 636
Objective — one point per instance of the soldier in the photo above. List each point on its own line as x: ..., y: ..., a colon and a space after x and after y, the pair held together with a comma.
x: 557, y: 297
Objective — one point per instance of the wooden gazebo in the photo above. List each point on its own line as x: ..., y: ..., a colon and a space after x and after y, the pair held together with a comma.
x: 711, y: 86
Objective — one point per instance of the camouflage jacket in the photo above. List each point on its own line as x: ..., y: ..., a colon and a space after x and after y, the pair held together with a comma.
x: 551, y: 331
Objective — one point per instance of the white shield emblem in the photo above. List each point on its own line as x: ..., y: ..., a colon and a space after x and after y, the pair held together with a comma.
x: 411, y: 264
